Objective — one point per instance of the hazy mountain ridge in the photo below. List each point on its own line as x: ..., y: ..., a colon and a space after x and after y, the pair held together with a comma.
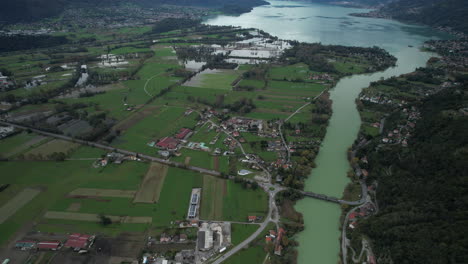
x: 31, y: 10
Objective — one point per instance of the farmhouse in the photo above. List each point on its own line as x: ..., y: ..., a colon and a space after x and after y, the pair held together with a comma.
x: 252, y: 218
x: 48, y: 245
x: 168, y: 143
x: 184, y: 133
x: 79, y: 241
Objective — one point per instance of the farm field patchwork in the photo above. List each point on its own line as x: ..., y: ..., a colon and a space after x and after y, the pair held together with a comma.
x: 151, y: 186
x: 213, y: 193
x: 19, y: 143
x: 52, y: 146
x: 163, y: 123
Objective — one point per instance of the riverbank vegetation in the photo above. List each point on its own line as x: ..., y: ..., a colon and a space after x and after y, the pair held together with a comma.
x: 420, y: 188
x: 415, y: 166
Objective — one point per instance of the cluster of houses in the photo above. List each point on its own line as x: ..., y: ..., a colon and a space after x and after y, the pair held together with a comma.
x: 381, y: 99
x: 402, y: 133
x: 363, y: 211
x: 455, y: 51
x: 276, y: 238
x: 111, y: 60
x: 243, y: 124
x: 114, y: 157
x: 181, y: 257
x: 321, y: 77
x: 78, y: 242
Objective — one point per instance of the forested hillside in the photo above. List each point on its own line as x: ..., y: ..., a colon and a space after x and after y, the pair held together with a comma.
x: 423, y: 189
x: 31, y: 10
x: 444, y: 13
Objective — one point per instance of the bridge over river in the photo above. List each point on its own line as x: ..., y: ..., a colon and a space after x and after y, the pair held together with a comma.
x: 332, y: 199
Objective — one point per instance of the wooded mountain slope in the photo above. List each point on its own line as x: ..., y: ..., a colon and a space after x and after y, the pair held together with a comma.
x: 423, y: 189
x: 445, y: 13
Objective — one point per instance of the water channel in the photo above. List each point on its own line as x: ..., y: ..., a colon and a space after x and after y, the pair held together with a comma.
x: 309, y: 22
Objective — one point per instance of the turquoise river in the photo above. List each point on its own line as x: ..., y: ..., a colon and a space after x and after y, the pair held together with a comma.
x: 309, y: 22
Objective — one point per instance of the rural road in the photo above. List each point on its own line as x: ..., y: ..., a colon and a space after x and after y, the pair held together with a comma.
x: 122, y: 151
x: 280, y: 127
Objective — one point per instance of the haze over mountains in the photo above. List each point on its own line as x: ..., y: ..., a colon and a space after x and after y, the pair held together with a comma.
x: 31, y: 10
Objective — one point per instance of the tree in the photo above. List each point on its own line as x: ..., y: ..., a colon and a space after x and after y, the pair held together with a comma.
x: 105, y: 220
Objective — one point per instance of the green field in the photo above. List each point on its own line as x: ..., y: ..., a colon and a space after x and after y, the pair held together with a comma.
x: 162, y: 122
x: 240, y: 203
x: 126, y: 50
x: 240, y: 232
x: 252, y: 83
x: 16, y: 144
x: 222, y: 80
x: 61, y: 178
x: 298, y: 71
x: 228, y: 201
x: 251, y: 255
x: 68, y: 226
x: 295, y: 88
x: 58, y: 179
x: 197, y: 158
x: 52, y: 146
x: 85, y: 152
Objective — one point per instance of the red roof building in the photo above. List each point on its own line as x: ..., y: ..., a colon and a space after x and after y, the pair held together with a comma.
x: 183, y: 132
x: 268, y: 239
x: 278, y: 247
x: 273, y: 233
x: 168, y: 143
x: 352, y: 215
x: 48, y: 245
x: 252, y: 218
x: 78, y: 241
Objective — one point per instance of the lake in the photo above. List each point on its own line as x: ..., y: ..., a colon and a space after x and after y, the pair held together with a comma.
x: 309, y: 22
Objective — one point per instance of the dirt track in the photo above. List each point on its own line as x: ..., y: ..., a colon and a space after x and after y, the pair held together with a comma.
x: 102, y: 193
